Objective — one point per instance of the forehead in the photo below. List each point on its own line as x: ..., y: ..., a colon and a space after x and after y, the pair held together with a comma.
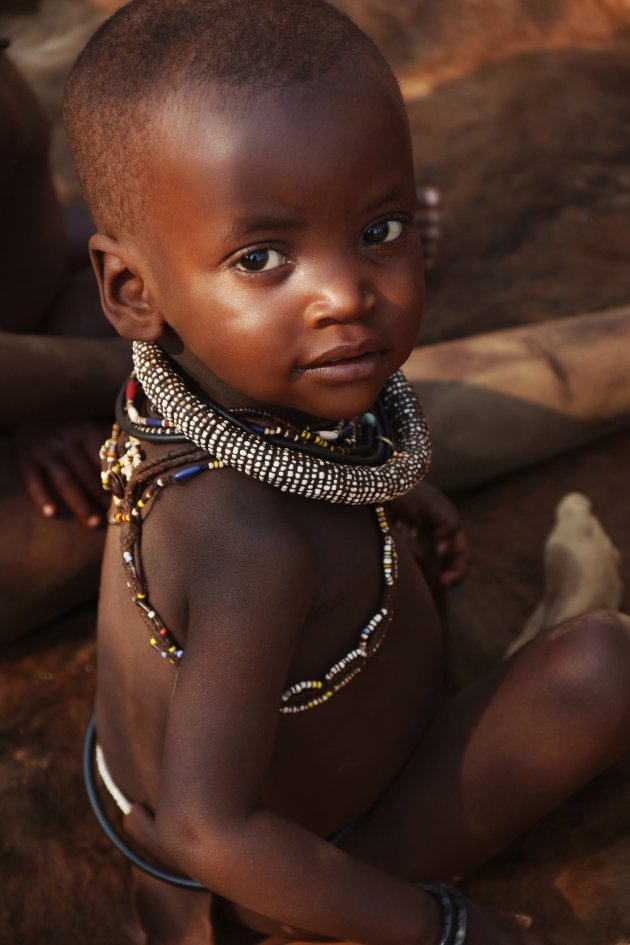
x: 308, y: 146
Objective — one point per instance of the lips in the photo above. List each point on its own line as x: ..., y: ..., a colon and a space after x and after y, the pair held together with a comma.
x: 348, y: 362
x: 345, y: 352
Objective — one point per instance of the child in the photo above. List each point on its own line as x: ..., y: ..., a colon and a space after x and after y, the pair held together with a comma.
x: 249, y: 170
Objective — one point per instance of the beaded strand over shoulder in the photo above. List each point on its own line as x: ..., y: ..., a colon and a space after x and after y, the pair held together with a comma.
x: 135, y: 482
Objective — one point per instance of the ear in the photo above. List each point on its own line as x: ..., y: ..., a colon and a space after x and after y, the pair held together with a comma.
x: 125, y: 297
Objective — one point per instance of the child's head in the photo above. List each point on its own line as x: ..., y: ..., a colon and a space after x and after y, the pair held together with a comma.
x: 249, y: 169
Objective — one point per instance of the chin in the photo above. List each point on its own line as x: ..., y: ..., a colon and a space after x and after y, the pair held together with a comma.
x: 342, y: 404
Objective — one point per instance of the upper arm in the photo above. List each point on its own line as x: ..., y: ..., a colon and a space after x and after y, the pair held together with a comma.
x: 250, y: 584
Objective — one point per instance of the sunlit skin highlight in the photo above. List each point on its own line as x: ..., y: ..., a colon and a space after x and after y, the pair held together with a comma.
x: 301, y: 291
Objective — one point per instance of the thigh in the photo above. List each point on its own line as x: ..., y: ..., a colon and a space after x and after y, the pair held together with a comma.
x: 48, y: 567
x: 505, y: 751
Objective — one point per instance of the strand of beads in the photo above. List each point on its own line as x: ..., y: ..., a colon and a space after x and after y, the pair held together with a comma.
x: 158, y: 425
x: 108, y: 454
x: 308, y: 693
x: 300, y: 696
x: 313, y: 692
x: 118, y: 466
x: 286, y: 467
x: 161, y: 639
x: 342, y: 437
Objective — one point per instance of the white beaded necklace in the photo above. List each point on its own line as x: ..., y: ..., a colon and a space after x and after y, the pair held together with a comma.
x: 285, y: 467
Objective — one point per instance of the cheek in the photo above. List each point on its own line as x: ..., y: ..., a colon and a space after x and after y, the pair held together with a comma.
x: 406, y: 295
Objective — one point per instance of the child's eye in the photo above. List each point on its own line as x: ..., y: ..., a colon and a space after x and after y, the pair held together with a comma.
x: 385, y: 231
x: 259, y: 260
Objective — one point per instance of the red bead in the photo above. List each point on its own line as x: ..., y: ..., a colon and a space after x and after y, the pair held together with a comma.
x: 130, y: 390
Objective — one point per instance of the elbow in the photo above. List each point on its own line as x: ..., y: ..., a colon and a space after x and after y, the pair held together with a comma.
x: 196, y: 846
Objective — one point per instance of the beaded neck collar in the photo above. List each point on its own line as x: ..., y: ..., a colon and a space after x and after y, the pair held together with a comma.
x: 289, y: 465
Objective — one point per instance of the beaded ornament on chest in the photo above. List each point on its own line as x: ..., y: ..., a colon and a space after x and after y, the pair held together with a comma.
x: 361, y: 461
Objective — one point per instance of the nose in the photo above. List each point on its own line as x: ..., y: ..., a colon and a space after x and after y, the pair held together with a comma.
x: 340, y: 292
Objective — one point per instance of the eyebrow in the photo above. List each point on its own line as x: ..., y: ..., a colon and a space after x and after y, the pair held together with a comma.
x: 392, y: 196
x: 245, y: 227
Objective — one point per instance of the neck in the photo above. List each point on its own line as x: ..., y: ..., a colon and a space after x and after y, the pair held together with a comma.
x: 216, y: 390
x: 350, y: 479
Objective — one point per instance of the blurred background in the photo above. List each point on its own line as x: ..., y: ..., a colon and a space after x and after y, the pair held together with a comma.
x: 520, y: 113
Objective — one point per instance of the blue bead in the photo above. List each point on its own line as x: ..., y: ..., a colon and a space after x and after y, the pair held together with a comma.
x: 188, y: 471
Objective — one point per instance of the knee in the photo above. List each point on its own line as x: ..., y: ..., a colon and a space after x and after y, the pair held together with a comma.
x: 587, y: 667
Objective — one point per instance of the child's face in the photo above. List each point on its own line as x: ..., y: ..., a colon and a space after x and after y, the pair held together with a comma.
x: 283, y: 252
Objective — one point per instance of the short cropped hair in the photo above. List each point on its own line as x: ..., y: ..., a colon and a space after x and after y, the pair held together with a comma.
x: 151, y: 49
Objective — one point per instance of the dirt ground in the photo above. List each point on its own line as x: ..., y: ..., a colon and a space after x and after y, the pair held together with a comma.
x: 521, y: 115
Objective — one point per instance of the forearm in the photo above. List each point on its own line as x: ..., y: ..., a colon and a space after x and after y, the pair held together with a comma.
x: 500, y: 401
x: 272, y: 867
x: 67, y: 378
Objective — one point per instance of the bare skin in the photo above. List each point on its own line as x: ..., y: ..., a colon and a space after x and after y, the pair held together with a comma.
x: 510, y: 398
x: 67, y: 375
x: 36, y: 230
x: 60, y: 370
x: 264, y: 589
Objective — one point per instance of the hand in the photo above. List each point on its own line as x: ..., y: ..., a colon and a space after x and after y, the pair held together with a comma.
x: 426, y: 512
x: 60, y: 467
x: 495, y: 927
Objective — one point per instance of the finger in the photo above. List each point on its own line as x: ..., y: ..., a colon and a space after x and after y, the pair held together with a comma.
x: 520, y: 919
x: 35, y: 485
x: 461, y: 552
x: 82, y: 467
x: 88, y: 469
x: 453, y: 572
x: 93, y: 437
x: 451, y: 578
x: 73, y: 494
x: 442, y: 513
x: 446, y: 522
x: 455, y: 547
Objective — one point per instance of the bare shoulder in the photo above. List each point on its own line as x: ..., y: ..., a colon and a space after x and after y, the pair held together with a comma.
x: 221, y: 531
x: 225, y: 507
